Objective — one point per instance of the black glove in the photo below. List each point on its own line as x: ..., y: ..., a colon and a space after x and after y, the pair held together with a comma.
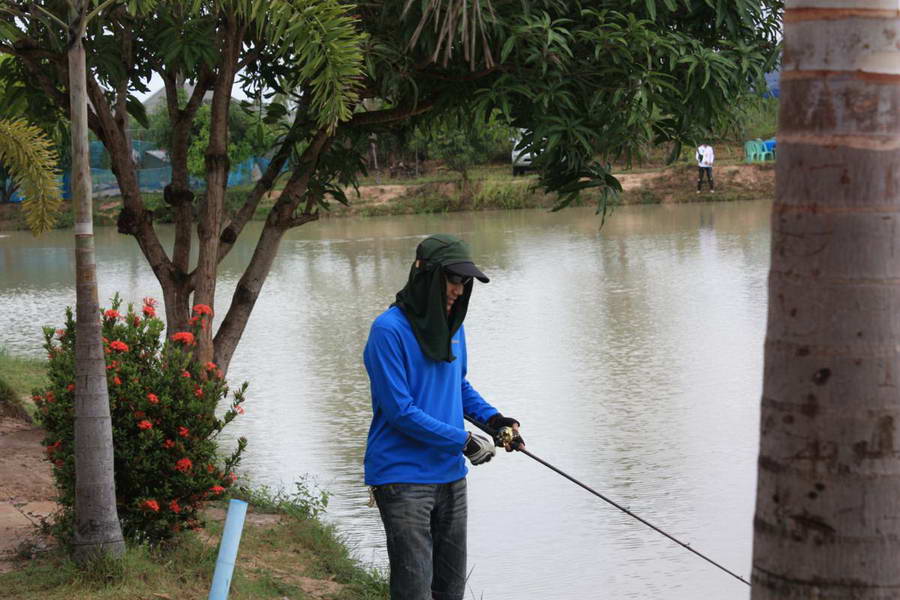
x: 497, y: 422
x: 478, y: 449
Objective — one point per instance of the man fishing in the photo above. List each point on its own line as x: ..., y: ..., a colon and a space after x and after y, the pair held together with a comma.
x: 416, y: 360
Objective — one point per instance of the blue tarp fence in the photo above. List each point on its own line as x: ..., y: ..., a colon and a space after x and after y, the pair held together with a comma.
x: 155, y: 180
x: 64, y: 185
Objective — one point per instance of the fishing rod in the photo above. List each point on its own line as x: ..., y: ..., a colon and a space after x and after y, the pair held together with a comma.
x: 507, y: 436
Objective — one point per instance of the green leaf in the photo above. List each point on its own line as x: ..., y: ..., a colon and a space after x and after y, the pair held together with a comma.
x: 136, y: 109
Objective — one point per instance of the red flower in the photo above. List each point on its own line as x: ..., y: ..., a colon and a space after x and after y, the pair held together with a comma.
x: 50, y: 397
x: 112, y: 314
x: 173, y: 506
x: 210, y: 468
x: 145, y: 425
x: 149, y: 308
x: 54, y: 447
x: 151, y: 397
x: 70, y: 387
x: 185, y: 374
x: 185, y: 337
x: 116, y: 380
x: 136, y: 320
x: 216, y: 490
x: 184, y: 465
x: 168, y: 444
x: 118, y: 346
x: 114, y: 364
x: 184, y: 431
x: 239, y: 409
x: 202, y: 309
x: 150, y: 505
x: 198, y: 392
x: 211, y: 366
x: 60, y: 333
x: 232, y: 477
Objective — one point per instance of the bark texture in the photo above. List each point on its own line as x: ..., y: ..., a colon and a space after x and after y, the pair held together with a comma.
x: 97, y: 528
x: 826, y: 523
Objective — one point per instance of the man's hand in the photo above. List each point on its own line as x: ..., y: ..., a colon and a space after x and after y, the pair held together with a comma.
x: 478, y: 449
x: 498, y: 422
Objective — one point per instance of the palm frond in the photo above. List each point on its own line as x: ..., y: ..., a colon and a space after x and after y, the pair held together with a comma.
x: 326, y: 45
x: 28, y: 156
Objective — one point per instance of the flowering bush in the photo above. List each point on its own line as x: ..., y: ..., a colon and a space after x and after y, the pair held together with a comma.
x: 163, y: 403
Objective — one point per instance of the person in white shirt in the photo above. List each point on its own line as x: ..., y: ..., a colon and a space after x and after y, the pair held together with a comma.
x: 705, y: 159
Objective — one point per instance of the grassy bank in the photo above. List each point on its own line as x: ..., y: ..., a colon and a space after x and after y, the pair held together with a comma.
x: 18, y: 377
x: 490, y: 187
x: 282, y: 555
x: 286, y: 551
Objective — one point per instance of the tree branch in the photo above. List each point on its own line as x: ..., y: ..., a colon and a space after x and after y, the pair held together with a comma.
x: 96, y: 11
x: 134, y: 219
x: 233, y: 229
x: 51, y: 16
x: 458, y: 78
x: 390, y: 115
x: 302, y: 219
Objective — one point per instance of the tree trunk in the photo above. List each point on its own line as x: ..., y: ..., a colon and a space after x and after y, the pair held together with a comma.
x: 212, y: 210
x: 97, y: 529
x: 826, y: 523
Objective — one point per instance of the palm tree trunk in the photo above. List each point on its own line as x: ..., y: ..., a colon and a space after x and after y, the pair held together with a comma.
x: 826, y: 523
x: 97, y: 528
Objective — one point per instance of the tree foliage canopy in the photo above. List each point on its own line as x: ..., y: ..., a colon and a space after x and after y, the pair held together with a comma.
x: 588, y: 81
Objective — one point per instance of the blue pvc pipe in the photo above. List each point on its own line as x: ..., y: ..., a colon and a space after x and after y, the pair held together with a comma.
x: 228, y: 549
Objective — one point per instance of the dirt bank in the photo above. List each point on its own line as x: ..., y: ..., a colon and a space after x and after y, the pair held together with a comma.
x: 737, y: 181
x: 26, y: 490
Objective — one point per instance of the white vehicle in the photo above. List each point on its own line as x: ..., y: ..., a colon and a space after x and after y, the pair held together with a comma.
x: 521, y: 161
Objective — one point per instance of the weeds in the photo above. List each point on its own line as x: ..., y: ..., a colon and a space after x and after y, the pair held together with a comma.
x: 307, y: 501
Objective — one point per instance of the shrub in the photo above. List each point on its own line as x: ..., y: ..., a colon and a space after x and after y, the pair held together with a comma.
x: 162, y: 403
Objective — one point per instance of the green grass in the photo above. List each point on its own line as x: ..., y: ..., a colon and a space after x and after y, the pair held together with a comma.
x: 442, y: 175
x: 18, y: 377
x: 286, y: 557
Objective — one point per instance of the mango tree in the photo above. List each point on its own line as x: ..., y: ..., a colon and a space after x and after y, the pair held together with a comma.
x: 588, y: 82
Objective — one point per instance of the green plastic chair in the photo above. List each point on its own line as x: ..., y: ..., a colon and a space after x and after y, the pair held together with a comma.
x: 763, y: 153
x: 752, y: 151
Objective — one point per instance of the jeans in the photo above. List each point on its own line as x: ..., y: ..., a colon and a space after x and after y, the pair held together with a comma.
x: 708, y: 171
x: 425, y: 525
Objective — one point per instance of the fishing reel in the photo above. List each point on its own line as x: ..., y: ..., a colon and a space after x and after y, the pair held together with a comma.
x: 506, y: 437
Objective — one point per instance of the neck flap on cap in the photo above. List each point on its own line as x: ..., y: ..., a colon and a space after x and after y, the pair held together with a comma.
x: 424, y: 298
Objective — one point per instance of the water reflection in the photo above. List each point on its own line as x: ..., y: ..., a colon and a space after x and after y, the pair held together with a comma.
x: 632, y: 356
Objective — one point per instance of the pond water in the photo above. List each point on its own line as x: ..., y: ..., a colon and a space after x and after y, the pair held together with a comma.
x: 631, y: 354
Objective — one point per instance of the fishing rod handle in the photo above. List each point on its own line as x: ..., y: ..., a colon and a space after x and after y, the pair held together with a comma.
x: 506, y: 436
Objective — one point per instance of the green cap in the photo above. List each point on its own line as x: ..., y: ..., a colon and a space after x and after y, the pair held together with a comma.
x: 451, y: 253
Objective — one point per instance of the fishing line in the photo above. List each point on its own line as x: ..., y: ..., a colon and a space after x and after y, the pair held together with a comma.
x: 494, y: 434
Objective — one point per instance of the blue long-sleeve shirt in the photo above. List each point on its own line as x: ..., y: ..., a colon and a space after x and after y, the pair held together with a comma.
x: 417, y: 432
